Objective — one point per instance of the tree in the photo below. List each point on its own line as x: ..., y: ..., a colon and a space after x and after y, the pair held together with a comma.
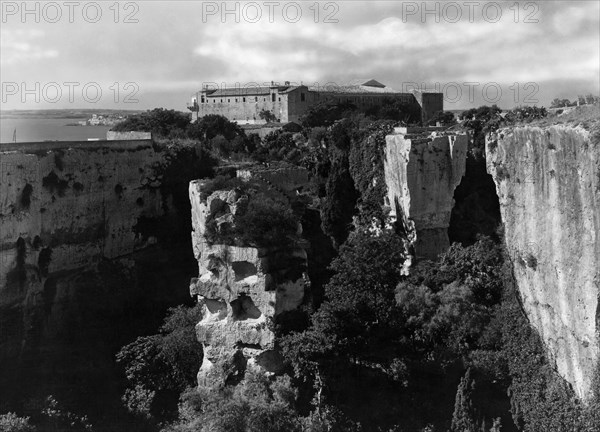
x: 337, y: 209
x: 481, y: 121
x: 162, y: 364
x: 257, y: 404
x: 464, y: 417
x: 10, y: 422
x: 445, y: 118
x: 560, y: 103
x: 326, y: 113
x: 159, y: 121
x: 211, y: 125
x: 267, y: 116
x: 359, y: 315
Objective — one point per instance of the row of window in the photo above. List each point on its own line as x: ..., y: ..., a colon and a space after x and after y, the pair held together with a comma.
x: 368, y: 99
x: 202, y: 100
x: 273, y: 99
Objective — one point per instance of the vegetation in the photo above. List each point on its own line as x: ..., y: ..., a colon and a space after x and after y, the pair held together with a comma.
x: 261, y: 219
x: 159, y: 121
x: 445, y: 348
x: 159, y: 367
x: 581, y: 100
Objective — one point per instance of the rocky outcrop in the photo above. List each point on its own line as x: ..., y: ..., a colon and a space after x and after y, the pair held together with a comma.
x: 66, y: 206
x: 242, y: 289
x: 548, y: 183
x: 422, y: 168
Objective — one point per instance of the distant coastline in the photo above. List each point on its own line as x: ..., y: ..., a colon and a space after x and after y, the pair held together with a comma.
x: 58, y: 125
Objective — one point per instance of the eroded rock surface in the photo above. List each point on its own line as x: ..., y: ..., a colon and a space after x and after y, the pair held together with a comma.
x: 77, y: 203
x: 422, y: 167
x: 548, y: 183
x: 242, y: 289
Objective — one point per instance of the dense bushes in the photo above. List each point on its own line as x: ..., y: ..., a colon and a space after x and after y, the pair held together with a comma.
x: 160, y: 366
x: 261, y: 218
x: 432, y: 320
x: 159, y: 121
x: 485, y: 119
x: 366, y: 167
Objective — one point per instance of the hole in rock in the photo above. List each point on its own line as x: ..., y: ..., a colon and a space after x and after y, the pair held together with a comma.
x: 243, y: 269
x: 243, y: 308
x: 44, y: 259
x: 214, y: 306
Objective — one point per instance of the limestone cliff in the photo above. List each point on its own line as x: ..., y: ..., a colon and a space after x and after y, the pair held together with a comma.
x: 548, y: 183
x: 242, y: 289
x: 65, y: 206
x: 81, y: 202
x: 422, y: 168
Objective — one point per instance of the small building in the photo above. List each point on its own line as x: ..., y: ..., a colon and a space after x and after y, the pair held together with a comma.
x: 287, y: 103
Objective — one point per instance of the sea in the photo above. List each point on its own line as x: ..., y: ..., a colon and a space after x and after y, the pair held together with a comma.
x: 33, y: 129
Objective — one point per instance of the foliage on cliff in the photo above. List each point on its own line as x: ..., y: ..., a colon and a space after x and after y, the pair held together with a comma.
x: 540, y: 398
x: 366, y: 167
x: 377, y: 319
x: 261, y: 219
x: 160, y: 366
x: 258, y: 404
x: 485, y: 119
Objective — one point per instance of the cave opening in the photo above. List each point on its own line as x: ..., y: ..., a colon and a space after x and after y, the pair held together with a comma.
x: 243, y: 269
x: 243, y: 308
x: 476, y: 205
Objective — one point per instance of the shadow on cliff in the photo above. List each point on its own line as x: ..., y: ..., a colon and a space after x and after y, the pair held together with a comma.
x: 476, y: 210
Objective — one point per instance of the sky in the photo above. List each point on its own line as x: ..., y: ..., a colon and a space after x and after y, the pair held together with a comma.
x: 147, y: 54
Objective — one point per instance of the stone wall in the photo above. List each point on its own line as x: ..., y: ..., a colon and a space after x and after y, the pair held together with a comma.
x: 548, y: 183
x: 422, y: 168
x: 128, y: 135
x: 64, y: 205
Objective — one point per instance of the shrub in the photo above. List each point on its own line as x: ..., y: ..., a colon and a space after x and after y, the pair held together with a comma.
x: 162, y: 364
x: 266, y: 222
x: 159, y: 121
x: 10, y: 422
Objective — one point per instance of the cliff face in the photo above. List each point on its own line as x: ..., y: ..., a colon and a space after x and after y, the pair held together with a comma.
x: 548, y: 183
x: 80, y: 202
x: 422, y: 168
x: 63, y: 207
x: 242, y: 289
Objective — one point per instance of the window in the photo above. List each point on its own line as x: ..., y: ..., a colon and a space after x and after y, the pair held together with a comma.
x: 279, y: 99
x: 236, y: 99
x: 244, y: 99
x: 255, y: 98
x: 228, y: 100
x: 221, y: 100
x: 302, y: 97
x: 273, y: 97
x: 202, y: 99
x: 264, y: 99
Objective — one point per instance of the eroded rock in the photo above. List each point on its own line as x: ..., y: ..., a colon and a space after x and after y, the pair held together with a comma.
x: 422, y: 168
x: 242, y: 290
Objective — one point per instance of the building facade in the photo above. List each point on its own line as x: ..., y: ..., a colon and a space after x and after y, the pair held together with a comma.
x: 287, y: 103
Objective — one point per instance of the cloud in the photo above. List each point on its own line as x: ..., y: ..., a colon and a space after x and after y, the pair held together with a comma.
x: 370, y: 39
x: 19, y: 46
